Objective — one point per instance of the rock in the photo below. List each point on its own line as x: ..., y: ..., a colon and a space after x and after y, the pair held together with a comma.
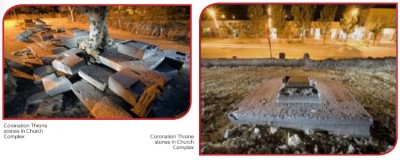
x: 105, y: 108
x: 69, y: 65
x: 50, y: 105
x: 33, y: 102
x: 127, y: 85
x: 87, y: 93
x: 293, y: 140
x: 283, y: 147
x: 136, y: 49
x: 273, y: 130
x: 350, y: 149
x: 309, y: 132
x: 96, y: 76
x: 54, y: 85
x: 256, y: 131
x: 43, y: 71
x: 228, y: 133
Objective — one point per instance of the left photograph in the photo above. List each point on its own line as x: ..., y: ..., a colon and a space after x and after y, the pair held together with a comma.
x: 97, y: 62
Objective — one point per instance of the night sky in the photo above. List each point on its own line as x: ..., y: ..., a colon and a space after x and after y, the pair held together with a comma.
x: 240, y: 11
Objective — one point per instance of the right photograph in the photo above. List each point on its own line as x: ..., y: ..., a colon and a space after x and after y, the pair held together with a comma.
x: 298, y: 78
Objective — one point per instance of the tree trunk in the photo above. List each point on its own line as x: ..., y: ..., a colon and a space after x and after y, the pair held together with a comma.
x: 324, y: 37
x: 71, y: 11
x: 98, y: 37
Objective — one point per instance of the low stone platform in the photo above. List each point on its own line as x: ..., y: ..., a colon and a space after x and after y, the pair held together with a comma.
x: 338, y: 113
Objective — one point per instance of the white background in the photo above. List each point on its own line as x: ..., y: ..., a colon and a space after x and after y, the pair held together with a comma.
x: 128, y: 139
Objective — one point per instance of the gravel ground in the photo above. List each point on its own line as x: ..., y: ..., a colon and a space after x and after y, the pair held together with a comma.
x: 373, y: 86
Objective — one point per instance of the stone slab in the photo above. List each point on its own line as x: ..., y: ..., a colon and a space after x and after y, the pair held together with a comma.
x: 79, y: 32
x: 42, y: 71
x: 113, y: 59
x: 123, y: 83
x: 73, y: 42
x: 69, y: 65
x: 72, y: 51
x: 137, y: 49
x: 54, y: 85
x: 50, y: 105
x: 150, y: 63
x: 46, y: 36
x: 176, y: 56
x: 298, y: 81
x: 59, y: 50
x: 87, y: 93
x: 96, y: 76
x: 106, y: 108
x: 37, y: 20
x: 338, y: 112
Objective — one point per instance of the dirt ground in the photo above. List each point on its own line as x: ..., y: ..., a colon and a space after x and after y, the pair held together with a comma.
x: 258, y: 48
x: 374, y: 87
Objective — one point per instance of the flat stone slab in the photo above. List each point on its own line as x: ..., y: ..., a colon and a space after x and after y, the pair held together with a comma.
x: 177, y: 56
x: 298, y: 81
x: 70, y: 64
x: 118, y: 61
x: 106, y: 108
x: 72, y: 51
x: 94, y: 100
x: 73, y: 42
x: 59, y: 50
x: 87, y: 93
x: 136, y: 49
x: 43, y: 71
x: 338, y: 112
x: 54, y: 85
x: 96, y: 76
x: 127, y: 85
x: 113, y: 59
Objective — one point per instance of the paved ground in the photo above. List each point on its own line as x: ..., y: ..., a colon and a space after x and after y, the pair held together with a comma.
x: 258, y: 48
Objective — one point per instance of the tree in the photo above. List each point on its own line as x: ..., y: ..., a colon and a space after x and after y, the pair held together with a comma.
x: 258, y: 18
x: 98, y: 37
x: 327, y: 15
x: 377, y: 30
x: 71, y: 11
x: 303, y: 17
x: 349, y: 21
x: 278, y: 19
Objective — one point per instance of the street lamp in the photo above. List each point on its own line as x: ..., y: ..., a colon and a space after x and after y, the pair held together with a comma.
x: 223, y: 16
x: 233, y: 17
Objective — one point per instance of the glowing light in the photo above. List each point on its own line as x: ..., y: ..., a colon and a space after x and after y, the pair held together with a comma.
x: 223, y: 16
x: 354, y: 12
x: 233, y: 17
x: 212, y: 14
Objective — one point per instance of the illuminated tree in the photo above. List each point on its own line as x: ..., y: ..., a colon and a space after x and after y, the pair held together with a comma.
x: 278, y: 19
x: 303, y: 17
x: 258, y: 18
x: 349, y: 21
x: 376, y: 31
x: 327, y: 15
